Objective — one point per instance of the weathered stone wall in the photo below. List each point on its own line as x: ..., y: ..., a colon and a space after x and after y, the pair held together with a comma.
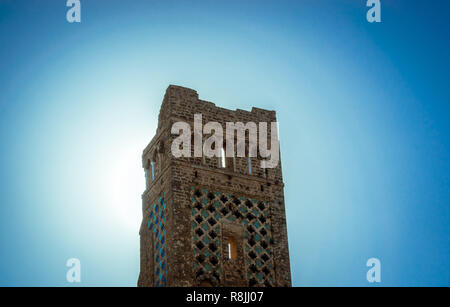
x: 179, y: 178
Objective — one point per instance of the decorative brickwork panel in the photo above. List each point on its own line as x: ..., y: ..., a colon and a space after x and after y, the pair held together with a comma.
x: 157, y: 224
x: 209, y: 210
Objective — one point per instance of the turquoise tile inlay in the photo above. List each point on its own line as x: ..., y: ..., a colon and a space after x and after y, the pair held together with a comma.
x: 156, y: 223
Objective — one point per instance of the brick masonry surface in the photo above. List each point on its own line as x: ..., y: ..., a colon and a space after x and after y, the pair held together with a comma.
x: 204, y: 224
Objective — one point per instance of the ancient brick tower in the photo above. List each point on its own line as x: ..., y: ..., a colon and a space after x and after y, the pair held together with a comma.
x: 205, y: 223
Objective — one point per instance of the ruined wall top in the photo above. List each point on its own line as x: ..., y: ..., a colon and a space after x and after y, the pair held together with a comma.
x: 181, y: 103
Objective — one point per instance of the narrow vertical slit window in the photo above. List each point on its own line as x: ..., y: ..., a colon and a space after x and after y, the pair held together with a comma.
x: 222, y: 158
x: 249, y: 166
x: 153, y: 170
x: 232, y: 252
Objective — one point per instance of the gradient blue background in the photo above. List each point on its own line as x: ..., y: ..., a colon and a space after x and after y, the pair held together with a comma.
x: 364, y: 128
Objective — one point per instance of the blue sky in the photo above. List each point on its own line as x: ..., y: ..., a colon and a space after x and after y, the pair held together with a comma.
x: 363, y: 111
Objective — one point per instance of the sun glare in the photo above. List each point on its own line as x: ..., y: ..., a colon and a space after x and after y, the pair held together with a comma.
x: 127, y: 183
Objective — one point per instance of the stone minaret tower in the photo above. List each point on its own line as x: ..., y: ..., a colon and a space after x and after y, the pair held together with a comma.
x: 206, y: 223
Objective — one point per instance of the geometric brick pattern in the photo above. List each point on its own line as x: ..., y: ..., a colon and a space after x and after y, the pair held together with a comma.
x: 157, y: 224
x: 209, y: 208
